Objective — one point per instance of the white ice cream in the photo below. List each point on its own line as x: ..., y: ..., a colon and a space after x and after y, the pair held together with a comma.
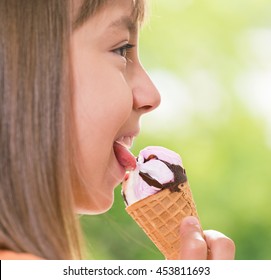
x: 151, y: 161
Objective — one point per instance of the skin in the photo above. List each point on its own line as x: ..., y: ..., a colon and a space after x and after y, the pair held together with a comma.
x: 111, y: 92
x: 9, y: 255
x: 209, y: 244
x: 127, y: 94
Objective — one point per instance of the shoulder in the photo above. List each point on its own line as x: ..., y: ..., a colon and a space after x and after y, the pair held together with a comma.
x: 10, y: 255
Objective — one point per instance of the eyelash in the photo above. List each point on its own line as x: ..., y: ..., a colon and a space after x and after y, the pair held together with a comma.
x: 123, y: 50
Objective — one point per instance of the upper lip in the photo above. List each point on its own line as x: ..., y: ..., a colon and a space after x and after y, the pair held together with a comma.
x: 127, y: 139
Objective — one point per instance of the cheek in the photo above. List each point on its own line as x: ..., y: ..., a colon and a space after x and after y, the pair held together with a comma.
x: 102, y: 105
x: 103, y: 102
x: 101, y: 89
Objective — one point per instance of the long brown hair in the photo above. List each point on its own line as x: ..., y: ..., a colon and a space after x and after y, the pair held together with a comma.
x: 37, y: 211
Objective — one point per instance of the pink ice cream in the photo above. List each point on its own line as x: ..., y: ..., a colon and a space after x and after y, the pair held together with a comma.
x: 157, y: 168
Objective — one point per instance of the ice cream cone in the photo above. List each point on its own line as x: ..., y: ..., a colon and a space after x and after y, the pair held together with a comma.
x: 160, y: 216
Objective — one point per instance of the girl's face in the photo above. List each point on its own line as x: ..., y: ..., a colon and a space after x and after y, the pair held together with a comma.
x: 111, y: 92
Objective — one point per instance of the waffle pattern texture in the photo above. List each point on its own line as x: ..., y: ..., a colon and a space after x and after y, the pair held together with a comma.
x: 160, y: 216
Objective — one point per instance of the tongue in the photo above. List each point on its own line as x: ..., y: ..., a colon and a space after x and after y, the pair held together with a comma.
x: 124, y: 157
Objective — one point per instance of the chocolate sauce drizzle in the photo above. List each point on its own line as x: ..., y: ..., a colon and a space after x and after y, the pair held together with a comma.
x: 178, y: 172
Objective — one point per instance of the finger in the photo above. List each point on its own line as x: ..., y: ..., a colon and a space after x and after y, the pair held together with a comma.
x: 220, y: 246
x: 193, y: 245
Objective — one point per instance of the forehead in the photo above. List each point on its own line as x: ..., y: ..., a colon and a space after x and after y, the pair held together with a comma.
x: 84, y: 9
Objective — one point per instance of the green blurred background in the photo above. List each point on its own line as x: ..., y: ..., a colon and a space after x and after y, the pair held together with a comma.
x: 211, y: 61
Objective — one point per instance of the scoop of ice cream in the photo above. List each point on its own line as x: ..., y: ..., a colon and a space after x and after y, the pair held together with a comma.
x: 157, y: 168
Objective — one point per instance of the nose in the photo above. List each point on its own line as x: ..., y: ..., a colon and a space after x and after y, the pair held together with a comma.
x: 145, y: 95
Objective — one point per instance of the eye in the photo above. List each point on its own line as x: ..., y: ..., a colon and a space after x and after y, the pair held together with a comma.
x: 123, y: 50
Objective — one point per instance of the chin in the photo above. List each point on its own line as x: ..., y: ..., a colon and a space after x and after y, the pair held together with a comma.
x: 99, y: 206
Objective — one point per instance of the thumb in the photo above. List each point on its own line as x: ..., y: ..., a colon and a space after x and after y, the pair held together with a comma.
x: 193, y: 245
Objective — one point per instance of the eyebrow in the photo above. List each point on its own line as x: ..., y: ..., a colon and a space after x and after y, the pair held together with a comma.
x: 124, y: 22
x: 86, y: 11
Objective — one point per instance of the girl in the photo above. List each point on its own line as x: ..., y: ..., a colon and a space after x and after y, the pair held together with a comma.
x: 72, y: 91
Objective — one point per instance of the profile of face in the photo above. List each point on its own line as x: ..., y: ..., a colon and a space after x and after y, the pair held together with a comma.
x: 111, y: 92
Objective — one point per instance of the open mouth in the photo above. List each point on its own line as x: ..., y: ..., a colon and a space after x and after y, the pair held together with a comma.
x: 125, y: 158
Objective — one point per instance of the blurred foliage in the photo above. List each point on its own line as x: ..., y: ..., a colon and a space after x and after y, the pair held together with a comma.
x: 225, y: 151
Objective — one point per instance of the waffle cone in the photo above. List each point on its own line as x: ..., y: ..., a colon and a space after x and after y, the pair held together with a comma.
x: 160, y: 216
